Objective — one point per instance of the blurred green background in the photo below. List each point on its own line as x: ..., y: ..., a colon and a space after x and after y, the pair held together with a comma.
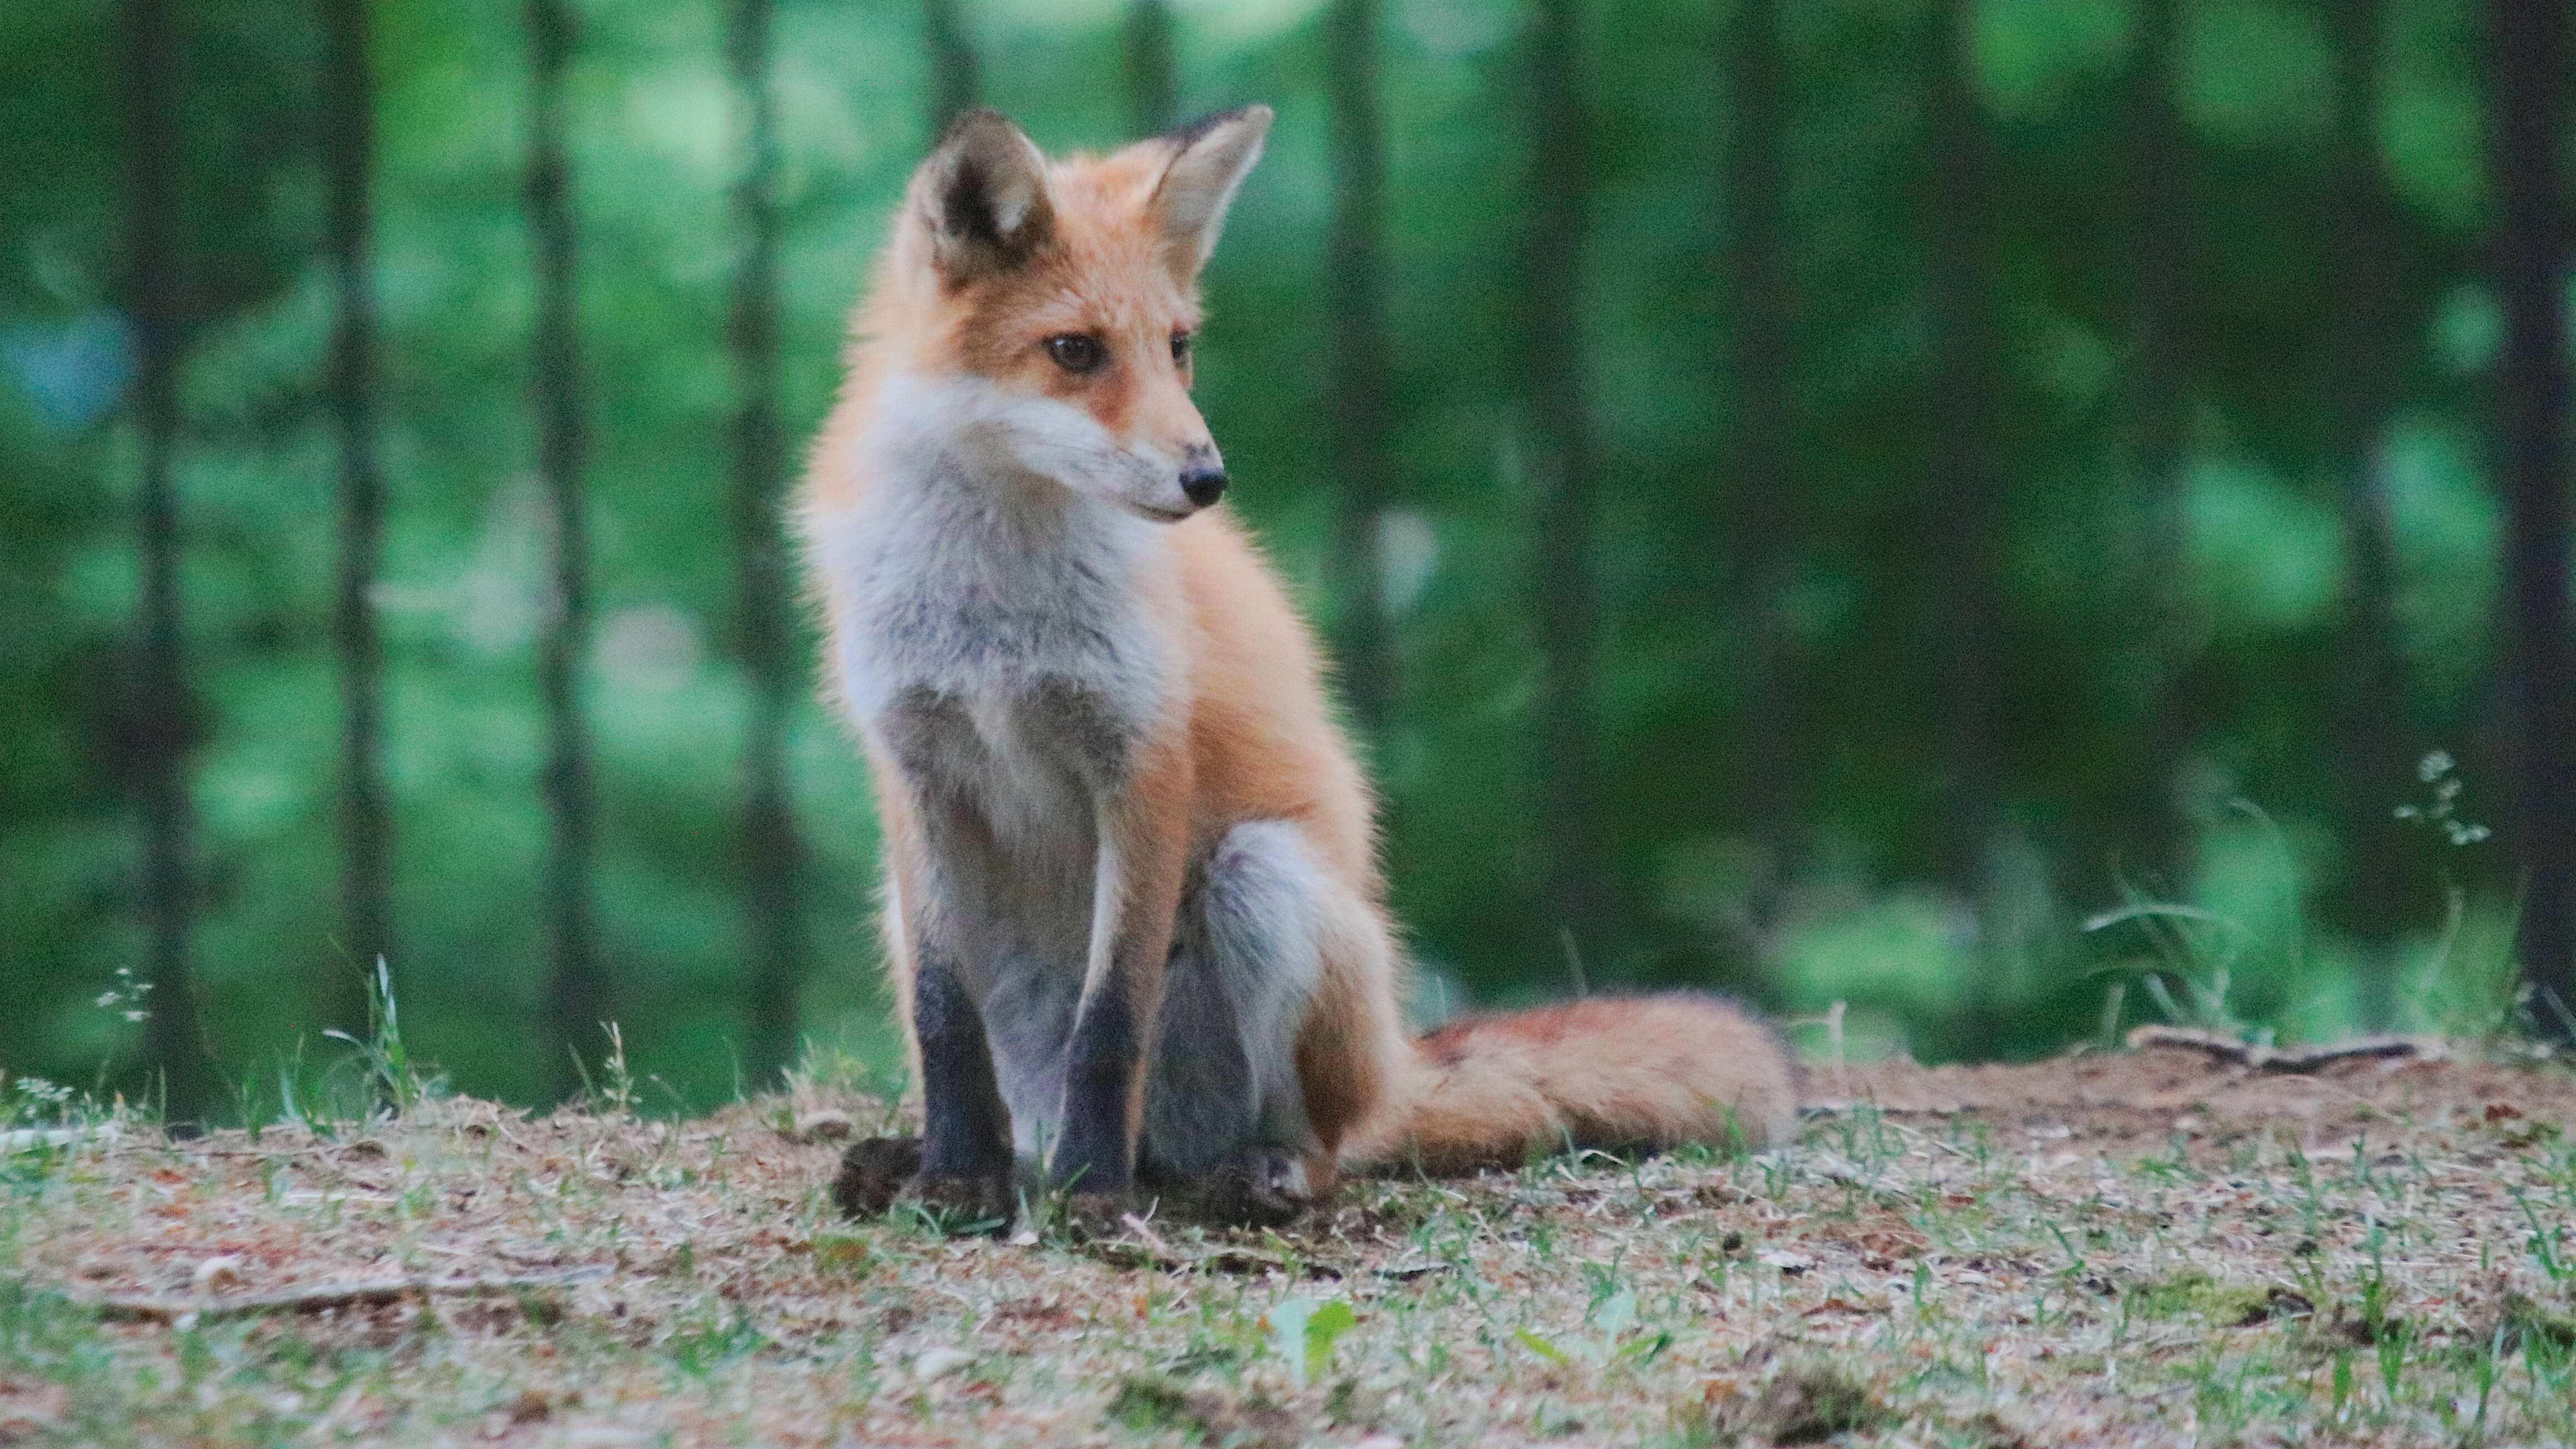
x: 1829, y: 500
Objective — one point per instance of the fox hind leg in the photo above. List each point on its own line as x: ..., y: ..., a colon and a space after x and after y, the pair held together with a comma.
x: 1225, y: 1118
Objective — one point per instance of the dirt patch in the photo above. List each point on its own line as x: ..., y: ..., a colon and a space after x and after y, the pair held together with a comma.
x: 2109, y: 1249
x: 2135, y: 1101
x: 1803, y: 1403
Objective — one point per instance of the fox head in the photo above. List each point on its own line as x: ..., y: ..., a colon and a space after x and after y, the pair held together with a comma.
x: 1051, y: 306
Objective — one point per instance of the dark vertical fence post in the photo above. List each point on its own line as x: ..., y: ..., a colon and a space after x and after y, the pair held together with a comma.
x: 576, y: 1002
x: 1357, y: 319
x: 1152, y: 74
x: 2530, y: 58
x: 2374, y: 685
x: 954, y: 84
x: 2160, y: 264
x: 772, y: 862
x: 1555, y: 403
x: 348, y: 141
x: 1760, y: 514
x: 1963, y: 511
x: 161, y: 722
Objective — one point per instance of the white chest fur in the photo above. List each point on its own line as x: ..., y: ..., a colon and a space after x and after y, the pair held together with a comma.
x: 998, y: 629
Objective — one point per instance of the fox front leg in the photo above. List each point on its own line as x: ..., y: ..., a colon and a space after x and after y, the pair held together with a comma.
x: 960, y: 1167
x: 965, y: 1130
x: 965, y: 1150
x: 1136, y: 893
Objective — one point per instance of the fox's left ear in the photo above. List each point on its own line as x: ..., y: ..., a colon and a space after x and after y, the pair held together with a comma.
x: 1207, y: 167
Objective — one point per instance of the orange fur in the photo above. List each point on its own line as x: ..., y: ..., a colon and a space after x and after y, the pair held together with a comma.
x: 1617, y: 1072
x: 1251, y: 736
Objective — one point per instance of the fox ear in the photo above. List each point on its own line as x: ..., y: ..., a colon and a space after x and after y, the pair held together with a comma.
x: 983, y: 195
x: 1209, y: 161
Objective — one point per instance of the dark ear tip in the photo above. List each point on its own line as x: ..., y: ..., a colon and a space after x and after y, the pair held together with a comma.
x: 975, y: 118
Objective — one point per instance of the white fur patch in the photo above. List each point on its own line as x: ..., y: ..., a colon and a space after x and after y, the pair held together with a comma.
x: 982, y: 557
x: 999, y: 433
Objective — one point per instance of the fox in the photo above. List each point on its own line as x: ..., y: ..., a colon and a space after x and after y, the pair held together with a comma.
x: 1133, y: 910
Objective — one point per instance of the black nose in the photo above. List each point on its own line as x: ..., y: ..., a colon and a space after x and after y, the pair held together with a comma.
x: 1204, y: 485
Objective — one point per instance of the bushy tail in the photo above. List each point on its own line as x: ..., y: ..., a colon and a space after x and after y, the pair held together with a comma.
x: 1611, y: 1072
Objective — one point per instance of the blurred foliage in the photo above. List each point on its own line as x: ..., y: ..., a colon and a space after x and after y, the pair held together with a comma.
x: 1849, y: 911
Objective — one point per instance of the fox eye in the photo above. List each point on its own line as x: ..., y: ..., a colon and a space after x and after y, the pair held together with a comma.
x: 1077, y: 352
x: 1181, y: 347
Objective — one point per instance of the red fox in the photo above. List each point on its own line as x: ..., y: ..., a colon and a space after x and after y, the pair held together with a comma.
x: 1133, y: 908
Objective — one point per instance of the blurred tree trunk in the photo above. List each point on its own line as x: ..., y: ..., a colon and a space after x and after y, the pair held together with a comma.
x: 772, y: 857
x: 2531, y: 246
x: 161, y: 727
x: 1765, y: 519
x: 1152, y: 75
x: 2374, y: 690
x: 367, y: 837
x: 1560, y: 459
x: 2161, y: 261
x: 953, y: 80
x: 576, y: 998
x: 1962, y: 511
x: 1356, y: 314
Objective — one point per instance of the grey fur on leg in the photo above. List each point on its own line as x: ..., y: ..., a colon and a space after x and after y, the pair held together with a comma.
x: 1223, y: 1088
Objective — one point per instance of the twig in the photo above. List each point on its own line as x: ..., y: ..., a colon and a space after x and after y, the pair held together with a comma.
x: 1142, y: 1247
x: 363, y: 1146
x: 1846, y: 1106
x: 329, y: 1295
x: 1145, y: 1234
x: 2284, y: 1059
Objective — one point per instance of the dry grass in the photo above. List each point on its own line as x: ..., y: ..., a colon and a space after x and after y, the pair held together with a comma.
x: 2111, y: 1250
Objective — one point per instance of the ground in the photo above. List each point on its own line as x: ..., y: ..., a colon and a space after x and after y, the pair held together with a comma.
x: 2135, y: 1248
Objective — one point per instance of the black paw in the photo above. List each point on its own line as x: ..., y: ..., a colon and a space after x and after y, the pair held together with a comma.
x: 963, y: 1202
x: 1087, y: 1215
x: 873, y: 1171
x: 1264, y: 1187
